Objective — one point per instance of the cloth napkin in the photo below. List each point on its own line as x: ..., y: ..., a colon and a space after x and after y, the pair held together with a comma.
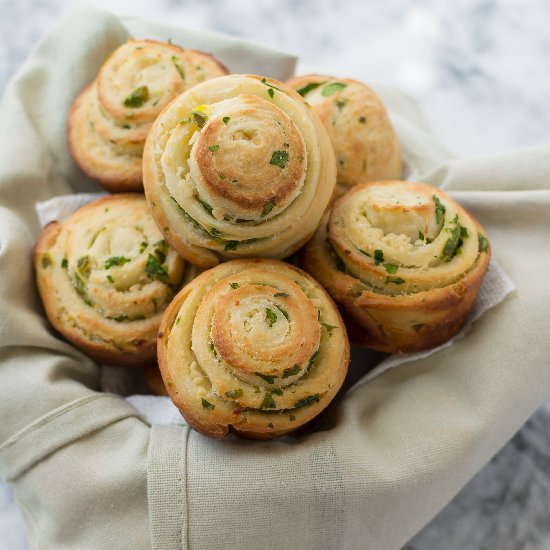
x: 90, y: 472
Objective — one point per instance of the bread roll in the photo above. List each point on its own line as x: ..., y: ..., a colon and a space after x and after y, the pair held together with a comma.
x: 365, y: 143
x: 111, y: 118
x: 404, y: 262
x: 238, y: 166
x: 252, y: 346
x: 105, y: 276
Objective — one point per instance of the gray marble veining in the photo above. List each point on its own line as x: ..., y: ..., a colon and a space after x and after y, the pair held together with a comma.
x: 479, y: 69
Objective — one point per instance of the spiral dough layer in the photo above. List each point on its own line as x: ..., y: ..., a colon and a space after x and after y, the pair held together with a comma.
x: 111, y: 118
x: 105, y: 277
x: 238, y: 166
x: 252, y: 346
x: 365, y: 143
x: 403, y: 260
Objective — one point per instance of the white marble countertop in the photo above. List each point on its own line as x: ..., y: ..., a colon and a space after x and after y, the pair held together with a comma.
x: 479, y: 70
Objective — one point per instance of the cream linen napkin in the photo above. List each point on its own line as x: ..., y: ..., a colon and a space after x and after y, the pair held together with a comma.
x: 90, y: 473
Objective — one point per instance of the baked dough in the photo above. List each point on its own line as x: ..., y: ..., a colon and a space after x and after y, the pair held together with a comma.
x: 252, y: 346
x: 110, y: 119
x: 365, y: 143
x: 404, y: 262
x: 238, y: 166
x: 105, y: 277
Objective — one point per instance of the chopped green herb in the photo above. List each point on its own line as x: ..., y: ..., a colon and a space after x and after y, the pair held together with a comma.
x: 269, y: 379
x: 120, y: 318
x: 277, y: 391
x: 206, y: 404
x: 286, y: 145
x: 161, y: 255
x: 332, y: 88
x: 234, y: 285
x: 378, y: 257
x: 394, y: 280
x: 178, y: 321
x: 268, y: 402
x: 178, y: 67
x: 439, y: 209
x: 80, y: 288
x: 292, y: 418
x: 329, y: 328
x: 280, y: 295
x: 110, y: 279
x: 137, y: 98
x: 308, y: 88
x: 284, y: 312
x: 268, y: 205
x: 271, y: 316
x: 221, y: 175
x: 206, y: 206
x: 391, y: 268
x: 46, y: 261
x: 306, y: 401
x: 270, y: 425
x: 155, y: 269
x: 291, y: 371
x: 234, y: 394
x: 483, y: 242
x: 340, y: 265
x: 313, y: 358
x: 449, y: 250
x: 213, y: 148
x: 463, y: 232
x: 231, y: 245
x: 226, y: 119
x: 279, y: 158
x: 271, y: 92
x: 421, y: 235
x: 115, y: 260
x: 199, y: 119
x: 83, y: 266
x: 142, y: 247
x: 64, y: 263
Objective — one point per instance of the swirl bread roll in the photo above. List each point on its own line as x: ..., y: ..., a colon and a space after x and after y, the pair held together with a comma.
x: 105, y: 277
x: 365, y: 143
x: 238, y: 166
x: 110, y: 119
x: 253, y: 346
x: 404, y: 262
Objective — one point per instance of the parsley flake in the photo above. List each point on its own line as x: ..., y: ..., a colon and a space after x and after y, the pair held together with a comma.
x: 378, y: 257
x: 291, y: 371
x: 394, y: 280
x: 483, y: 242
x: 271, y: 316
x: 234, y: 394
x: 268, y: 402
x: 308, y: 88
x: 213, y: 148
x: 268, y: 207
x: 332, y: 88
x: 226, y: 120
x: 206, y: 404
x: 439, y: 209
x: 306, y: 401
x: 115, y: 261
x: 137, y: 98
x: 391, y: 268
x: 279, y: 158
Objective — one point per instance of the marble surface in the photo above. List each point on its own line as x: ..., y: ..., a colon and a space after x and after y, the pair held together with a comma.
x: 479, y: 70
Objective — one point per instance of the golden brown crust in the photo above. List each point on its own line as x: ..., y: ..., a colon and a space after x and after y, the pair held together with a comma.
x: 110, y: 119
x: 238, y: 166
x: 397, y: 293
x: 365, y: 143
x: 230, y: 349
x: 105, y: 276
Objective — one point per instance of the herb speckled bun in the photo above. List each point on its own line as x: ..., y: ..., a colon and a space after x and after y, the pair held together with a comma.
x: 404, y: 262
x: 365, y: 143
x: 111, y: 118
x: 238, y: 166
x: 105, y: 277
x: 252, y: 346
